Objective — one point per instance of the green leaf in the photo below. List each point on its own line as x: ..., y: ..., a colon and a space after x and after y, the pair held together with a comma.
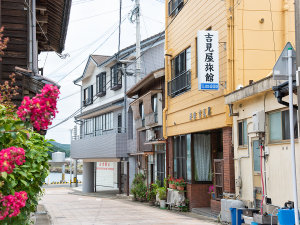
x: 24, y: 182
x: 4, y: 175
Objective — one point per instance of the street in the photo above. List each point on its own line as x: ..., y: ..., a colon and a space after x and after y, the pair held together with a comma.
x: 65, y: 208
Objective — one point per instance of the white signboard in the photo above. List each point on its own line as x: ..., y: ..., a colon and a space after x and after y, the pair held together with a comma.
x: 208, y: 60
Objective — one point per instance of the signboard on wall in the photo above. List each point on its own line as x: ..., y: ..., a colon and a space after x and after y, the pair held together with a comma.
x: 208, y: 60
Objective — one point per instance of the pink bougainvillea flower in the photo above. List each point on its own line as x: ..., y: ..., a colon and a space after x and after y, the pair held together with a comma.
x: 41, y: 109
x: 9, y: 157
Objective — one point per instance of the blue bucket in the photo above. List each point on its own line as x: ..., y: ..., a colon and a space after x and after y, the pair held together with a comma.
x: 237, y: 217
x: 286, y: 216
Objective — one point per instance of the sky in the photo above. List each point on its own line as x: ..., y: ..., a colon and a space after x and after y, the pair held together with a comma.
x: 93, y: 29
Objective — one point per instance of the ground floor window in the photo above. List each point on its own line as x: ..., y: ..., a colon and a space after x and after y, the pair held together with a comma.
x: 202, y: 157
x: 180, y: 169
x: 161, y: 167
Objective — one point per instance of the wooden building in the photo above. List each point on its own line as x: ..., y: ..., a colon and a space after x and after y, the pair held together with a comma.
x: 47, y: 34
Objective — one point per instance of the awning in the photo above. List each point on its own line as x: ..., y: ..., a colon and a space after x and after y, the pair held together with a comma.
x: 155, y: 142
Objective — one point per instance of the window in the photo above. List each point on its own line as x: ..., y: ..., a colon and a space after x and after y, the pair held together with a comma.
x: 88, y: 95
x: 119, y: 123
x: 180, y: 73
x: 279, y: 126
x: 202, y: 157
x: 142, y: 113
x: 243, y: 134
x: 130, y: 124
x: 161, y: 167
x: 180, y: 158
x: 88, y: 127
x: 104, y: 122
x: 154, y: 106
x: 175, y: 6
x: 101, y: 84
x: 116, y: 77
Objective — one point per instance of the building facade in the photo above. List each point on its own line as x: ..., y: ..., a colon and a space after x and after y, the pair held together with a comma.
x: 147, y: 111
x: 106, y: 123
x: 28, y: 36
x: 197, y: 122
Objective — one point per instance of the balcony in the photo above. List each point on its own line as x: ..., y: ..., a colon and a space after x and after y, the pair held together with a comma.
x: 179, y: 84
x: 101, y: 144
x: 101, y: 93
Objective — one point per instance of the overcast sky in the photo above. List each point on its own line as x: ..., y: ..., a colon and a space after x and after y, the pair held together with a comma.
x: 91, y: 24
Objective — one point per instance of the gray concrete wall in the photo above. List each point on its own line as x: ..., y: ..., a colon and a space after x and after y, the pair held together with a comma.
x: 88, y: 177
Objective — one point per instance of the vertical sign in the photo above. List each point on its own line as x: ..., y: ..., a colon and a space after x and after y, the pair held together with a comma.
x: 208, y: 60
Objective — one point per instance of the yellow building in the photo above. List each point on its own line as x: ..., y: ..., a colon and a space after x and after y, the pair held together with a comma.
x: 251, y: 35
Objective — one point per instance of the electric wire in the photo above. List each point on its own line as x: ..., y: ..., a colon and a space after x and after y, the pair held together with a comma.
x: 91, y: 54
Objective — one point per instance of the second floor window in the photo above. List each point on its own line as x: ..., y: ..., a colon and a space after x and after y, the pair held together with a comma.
x: 116, y: 77
x: 243, y: 134
x: 88, y: 95
x: 101, y: 84
x: 180, y: 73
x: 142, y: 113
x: 154, y: 106
x: 279, y: 125
x: 104, y: 122
x: 175, y: 6
x: 88, y: 127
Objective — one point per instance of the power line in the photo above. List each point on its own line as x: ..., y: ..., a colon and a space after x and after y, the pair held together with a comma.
x: 91, y: 53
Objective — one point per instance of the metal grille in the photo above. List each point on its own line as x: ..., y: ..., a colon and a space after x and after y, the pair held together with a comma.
x: 218, y: 178
x: 179, y: 84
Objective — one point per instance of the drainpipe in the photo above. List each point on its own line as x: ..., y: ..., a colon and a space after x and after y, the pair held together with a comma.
x: 166, y: 78
x: 34, y: 42
x: 30, y: 39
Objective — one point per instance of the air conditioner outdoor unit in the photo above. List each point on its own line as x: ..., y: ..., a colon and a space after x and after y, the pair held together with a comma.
x: 150, y: 135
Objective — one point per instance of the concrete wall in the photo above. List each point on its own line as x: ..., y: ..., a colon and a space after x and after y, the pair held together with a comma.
x: 88, y: 177
x: 278, y: 163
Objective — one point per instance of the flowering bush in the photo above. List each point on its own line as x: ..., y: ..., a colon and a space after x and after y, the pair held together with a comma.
x: 171, y: 180
x: 41, y: 108
x: 211, y: 189
x: 12, y: 204
x: 9, y: 157
x: 180, y: 182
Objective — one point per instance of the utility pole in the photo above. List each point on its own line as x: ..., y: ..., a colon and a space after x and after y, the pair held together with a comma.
x: 297, y: 38
x: 138, y: 41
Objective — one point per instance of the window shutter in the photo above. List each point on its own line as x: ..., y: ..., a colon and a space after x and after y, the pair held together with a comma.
x: 104, y: 82
x: 92, y: 94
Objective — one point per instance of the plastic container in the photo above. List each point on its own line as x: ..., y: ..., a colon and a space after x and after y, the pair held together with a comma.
x: 236, y: 216
x: 248, y: 219
x: 286, y: 216
x: 254, y: 223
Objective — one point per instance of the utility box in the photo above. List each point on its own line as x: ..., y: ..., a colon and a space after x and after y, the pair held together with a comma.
x: 259, y: 121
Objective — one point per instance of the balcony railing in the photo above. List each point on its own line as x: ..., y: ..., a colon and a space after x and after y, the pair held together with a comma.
x: 180, y: 84
x: 95, y: 133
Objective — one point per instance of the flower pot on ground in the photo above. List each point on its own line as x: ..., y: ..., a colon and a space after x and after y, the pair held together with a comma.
x: 211, y: 191
x: 173, y: 186
x: 162, y: 204
x: 180, y: 188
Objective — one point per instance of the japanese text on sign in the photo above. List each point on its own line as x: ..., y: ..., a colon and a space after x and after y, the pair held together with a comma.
x: 208, y: 60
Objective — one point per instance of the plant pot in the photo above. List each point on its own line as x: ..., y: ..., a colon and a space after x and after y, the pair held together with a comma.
x: 152, y: 203
x: 173, y: 186
x: 213, y: 196
x: 162, y: 204
x: 180, y: 188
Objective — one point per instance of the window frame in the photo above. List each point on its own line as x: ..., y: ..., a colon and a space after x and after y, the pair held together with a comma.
x: 142, y: 113
x: 244, y: 141
x: 114, y: 73
x: 283, y: 126
x: 88, y: 95
x: 101, y: 84
x: 154, y: 105
x: 179, y: 5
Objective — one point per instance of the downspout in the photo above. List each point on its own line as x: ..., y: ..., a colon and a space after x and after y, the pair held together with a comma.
x: 34, y: 43
x: 30, y: 39
x: 166, y: 93
x: 166, y: 77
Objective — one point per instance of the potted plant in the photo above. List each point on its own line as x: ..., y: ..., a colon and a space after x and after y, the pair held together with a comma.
x: 171, y: 182
x: 151, y: 193
x: 211, y: 191
x: 162, y: 193
x: 180, y: 184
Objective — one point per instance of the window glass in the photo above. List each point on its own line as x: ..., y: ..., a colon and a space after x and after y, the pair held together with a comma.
x: 188, y: 158
x: 202, y: 157
x: 275, y: 126
x: 180, y: 157
x: 256, y: 156
x: 240, y: 127
x: 188, y: 59
x: 245, y: 133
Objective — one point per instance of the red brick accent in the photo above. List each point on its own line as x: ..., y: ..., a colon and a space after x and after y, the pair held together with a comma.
x: 228, y: 154
x: 215, y: 206
x: 198, y: 195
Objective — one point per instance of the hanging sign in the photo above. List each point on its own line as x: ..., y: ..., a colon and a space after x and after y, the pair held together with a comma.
x: 208, y: 60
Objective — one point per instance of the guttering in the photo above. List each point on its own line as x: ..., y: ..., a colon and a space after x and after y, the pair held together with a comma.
x: 166, y: 77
